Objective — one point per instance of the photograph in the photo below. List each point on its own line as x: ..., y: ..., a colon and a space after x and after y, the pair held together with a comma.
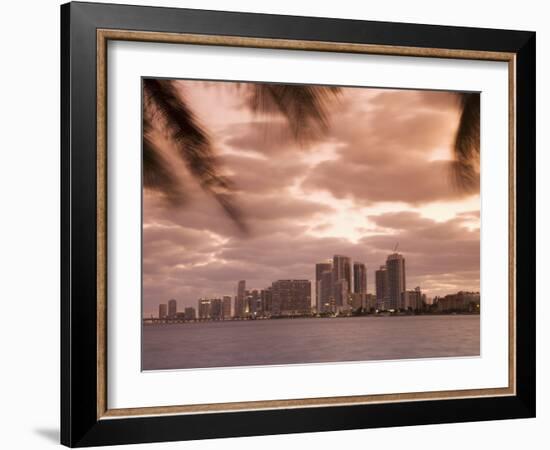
x: 281, y: 223
x: 299, y: 224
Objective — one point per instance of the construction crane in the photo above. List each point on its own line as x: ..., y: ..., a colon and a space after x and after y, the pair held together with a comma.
x: 395, y: 247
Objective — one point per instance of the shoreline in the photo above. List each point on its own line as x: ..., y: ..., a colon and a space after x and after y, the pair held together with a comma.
x: 157, y: 321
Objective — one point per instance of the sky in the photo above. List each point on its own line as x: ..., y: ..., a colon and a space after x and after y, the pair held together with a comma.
x: 378, y: 176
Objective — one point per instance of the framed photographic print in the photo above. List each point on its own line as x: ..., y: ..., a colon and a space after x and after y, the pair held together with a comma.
x: 276, y: 224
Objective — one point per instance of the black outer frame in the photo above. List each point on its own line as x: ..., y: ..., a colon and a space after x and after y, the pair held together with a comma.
x: 79, y: 423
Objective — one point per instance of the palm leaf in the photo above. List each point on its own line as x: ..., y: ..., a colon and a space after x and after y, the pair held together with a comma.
x: 466, y: 145
x: 193, y: 145
x: 305, y: 108
x: 158, y: 176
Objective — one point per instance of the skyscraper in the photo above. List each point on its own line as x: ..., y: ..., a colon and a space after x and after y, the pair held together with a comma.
x: 341, y: 266
x: 326, y: 292
x: 396, y: 279
x: 370, y: 302
x: 204, y: 308
x: 320, y: 268
x: 216, y: 309
x: 382, y: 292
x: 265, y: 296
x: 241, y: 288
x: 240, y: 299
x: 341, y: 295
x: 252, y: 301
x: 226, y: 307
x: 412, y: 299
x: 291, y: 297
x: 163, y: 310
x: 190, y: 313
x: 359, y: 278
x: 172, y: 308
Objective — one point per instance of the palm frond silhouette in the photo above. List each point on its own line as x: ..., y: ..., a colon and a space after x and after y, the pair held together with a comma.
x: 466, y: 144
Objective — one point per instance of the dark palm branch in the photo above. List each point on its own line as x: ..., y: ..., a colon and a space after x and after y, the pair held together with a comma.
x: 466, y: 146
x: 162, y: 99
x: 305, y: 108
x: 157, y: 174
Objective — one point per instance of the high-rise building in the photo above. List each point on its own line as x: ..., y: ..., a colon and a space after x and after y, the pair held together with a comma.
x: 320, y: 268
x: 291, y: 297
x: 341, y: 295
x: 163, y: 308
x: 359, y: 278
x: 405, y: 300
x: 326, y: 293
x: 190, y: 313
x: 226, y: 307
x: 341, y: 267
x: 204, y: 308
x: 172, y: 308
x: 425, y: 301
x: 412, y: 299
x: 396, y: 279
x: 382, y: 288
x: 240, y: 299
x: 358, y: 301
x: 266, y: 299
x: 241, y: 288
x: 216, y: 309
x: 370, y: 302
x: 252, y: 302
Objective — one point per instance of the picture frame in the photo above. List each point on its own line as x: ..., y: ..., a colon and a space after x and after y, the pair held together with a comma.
x: 86, y: 30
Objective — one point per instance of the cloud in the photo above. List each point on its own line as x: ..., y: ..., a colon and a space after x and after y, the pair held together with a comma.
x: 406, y: 181
x: 432, y: 248
x: 384, y: 147
x: 399, y: 149
x: 262, y: 175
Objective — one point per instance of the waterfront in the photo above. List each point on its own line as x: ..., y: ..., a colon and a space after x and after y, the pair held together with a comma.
x: 301, y: 341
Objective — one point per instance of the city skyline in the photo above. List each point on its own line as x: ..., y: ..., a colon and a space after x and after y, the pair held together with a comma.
x: 332, y: 278
x: 378, y: 177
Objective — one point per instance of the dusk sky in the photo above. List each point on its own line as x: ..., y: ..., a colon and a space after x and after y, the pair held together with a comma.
x: 379, y: 176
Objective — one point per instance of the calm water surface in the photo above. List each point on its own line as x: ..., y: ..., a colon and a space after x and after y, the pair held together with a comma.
x: 299, y: 341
